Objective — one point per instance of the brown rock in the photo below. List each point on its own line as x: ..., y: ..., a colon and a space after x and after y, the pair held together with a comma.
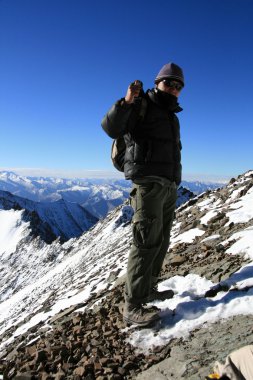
x: 24, y: 376
x: 129, y: 365
x: 177, y: 260
x: 97, y: 366
x: 108, y: 370
x: 112, y: 365
x: 82, y: 360
x: 27, y: 367
x: 121, y: 371
x: 55, y: 350
x: 66, y: 366
x: 60, y: 375
x: 41, y: 356
x: 62, y: 314
x: 76, y: 319
x: 31, y: 350
x: 118, y: 358
x: 204, y: 248
x: 104, y: 361
x: 45, y: 376
x: 79, y: 371
x: 77, y: 329
x: 94, y: 342
x: 12, y: 354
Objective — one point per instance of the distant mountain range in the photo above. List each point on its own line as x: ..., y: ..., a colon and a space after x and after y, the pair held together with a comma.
x: 198, y: 187
x: 98, y: 196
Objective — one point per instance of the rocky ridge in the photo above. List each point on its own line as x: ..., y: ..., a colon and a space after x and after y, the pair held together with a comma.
x: 63, y: 219
x: 88, y: 340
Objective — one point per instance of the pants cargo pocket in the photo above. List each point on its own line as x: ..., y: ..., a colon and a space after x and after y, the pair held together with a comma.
x: 142, y: 231
x: 132, y: 197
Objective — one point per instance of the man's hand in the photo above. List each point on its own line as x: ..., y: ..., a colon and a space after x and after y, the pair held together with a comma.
x: 133, y: 91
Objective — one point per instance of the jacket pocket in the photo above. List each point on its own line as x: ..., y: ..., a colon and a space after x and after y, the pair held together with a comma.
x: 138, y: 153
x: 142, y: 151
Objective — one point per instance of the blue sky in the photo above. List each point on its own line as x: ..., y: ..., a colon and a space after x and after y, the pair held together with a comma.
x: 63, y: 63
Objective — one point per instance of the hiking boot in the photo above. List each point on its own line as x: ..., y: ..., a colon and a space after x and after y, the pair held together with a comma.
x: 155, y: 295
x: 138, y: 315
x: 152, y: 307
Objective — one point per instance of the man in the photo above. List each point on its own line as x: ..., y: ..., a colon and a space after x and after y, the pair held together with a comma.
x: 153, y: 163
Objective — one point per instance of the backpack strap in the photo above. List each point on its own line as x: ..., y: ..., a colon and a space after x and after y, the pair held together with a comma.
x: 141, y: 104
x: 143, y: 108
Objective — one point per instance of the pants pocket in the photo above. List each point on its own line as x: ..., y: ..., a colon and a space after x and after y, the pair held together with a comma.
x: 148, y: 190
x: 132, y: 197
x: 143, y: 232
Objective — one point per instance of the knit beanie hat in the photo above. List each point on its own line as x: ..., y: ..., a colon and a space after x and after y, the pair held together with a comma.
x: 172, y: 71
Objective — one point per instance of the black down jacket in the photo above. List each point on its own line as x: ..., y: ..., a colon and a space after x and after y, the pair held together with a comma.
x: 153, y: 142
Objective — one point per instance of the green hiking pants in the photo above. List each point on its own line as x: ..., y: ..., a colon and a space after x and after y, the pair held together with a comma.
x: 154, y: 205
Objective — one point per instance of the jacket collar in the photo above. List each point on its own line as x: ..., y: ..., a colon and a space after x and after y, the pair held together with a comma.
x: 164, y: 100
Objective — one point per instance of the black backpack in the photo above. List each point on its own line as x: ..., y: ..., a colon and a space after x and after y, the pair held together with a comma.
x: 119, y: 146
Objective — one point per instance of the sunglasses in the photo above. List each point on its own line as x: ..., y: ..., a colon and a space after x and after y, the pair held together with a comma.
x: 173, y: 84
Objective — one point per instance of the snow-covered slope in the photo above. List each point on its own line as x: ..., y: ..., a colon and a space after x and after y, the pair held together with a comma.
x: 13, y: 229
x: 98, y: 196
x: 40, y: 280
x: 66, y: 219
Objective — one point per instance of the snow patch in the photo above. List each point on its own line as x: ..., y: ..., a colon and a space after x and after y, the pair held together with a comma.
x: 13, y: 229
